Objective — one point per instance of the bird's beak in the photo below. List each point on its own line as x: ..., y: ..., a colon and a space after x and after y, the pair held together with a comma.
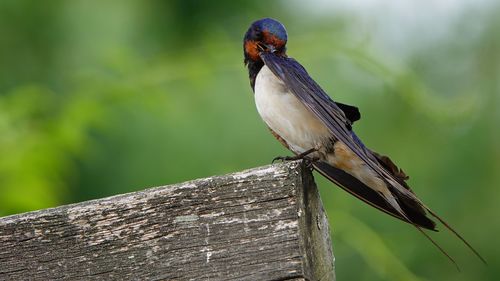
x: 266, y: 48
x: 270, y: 48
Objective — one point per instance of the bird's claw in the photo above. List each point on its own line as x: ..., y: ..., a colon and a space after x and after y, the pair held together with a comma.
x: 300, y: 156
x: 282, y: 158
x: 309, y: 162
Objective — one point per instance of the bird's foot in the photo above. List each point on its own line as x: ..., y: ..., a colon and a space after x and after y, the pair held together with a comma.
x: 302, y: 155
x: 284, y: 158
x: 309, y: 161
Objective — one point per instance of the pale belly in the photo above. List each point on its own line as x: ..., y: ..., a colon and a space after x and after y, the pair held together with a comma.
x: 286, y: 115
x: 302, y: 130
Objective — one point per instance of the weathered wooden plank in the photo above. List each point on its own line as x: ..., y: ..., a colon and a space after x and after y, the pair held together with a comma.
x: 262, y: 224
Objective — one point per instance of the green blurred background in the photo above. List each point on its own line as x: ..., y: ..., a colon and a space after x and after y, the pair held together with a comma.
x: 105, y: 97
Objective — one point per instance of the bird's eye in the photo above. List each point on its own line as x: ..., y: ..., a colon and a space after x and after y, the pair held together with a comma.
x: 257, y: 33
x: 261, y: 47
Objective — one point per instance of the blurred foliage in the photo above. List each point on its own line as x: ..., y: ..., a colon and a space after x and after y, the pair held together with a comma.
x: 101, y: 98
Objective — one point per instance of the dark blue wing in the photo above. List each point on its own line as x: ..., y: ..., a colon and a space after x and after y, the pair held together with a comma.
x: 351, y: 112
x: 298, y: 81
x: 410, y: 208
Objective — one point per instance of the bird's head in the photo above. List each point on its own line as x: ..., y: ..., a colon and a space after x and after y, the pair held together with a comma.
x: 264, y: 35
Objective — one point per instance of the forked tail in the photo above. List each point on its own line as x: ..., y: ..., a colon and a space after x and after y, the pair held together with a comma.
x: 406, y: 212
x: 457, y: 235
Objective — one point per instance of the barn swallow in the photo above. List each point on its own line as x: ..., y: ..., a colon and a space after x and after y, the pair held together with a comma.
x: 309, y: 123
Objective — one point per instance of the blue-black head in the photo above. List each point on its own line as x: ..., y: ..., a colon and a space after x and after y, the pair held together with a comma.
x: 264, y: 35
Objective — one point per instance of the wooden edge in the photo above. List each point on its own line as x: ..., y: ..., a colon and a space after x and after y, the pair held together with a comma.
x: 315, y: 230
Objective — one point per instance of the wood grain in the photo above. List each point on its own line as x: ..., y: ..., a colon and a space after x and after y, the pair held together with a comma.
x: 266, y: 223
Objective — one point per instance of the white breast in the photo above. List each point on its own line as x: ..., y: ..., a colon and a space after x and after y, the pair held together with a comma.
x: 286, y: 115
x: 302, y: 130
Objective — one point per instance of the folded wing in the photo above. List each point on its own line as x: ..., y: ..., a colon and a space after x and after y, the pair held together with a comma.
x: 339, y: 120
x: 315, y: 99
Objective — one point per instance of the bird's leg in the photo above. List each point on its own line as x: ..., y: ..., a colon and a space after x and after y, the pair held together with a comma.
x: 302, y: 155
x: 310, y: 161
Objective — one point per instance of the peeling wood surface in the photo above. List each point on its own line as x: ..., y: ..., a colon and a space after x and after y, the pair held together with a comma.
x: 266, y: 223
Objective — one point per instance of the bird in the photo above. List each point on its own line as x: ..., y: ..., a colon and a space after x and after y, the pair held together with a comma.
x: 303, y: 118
